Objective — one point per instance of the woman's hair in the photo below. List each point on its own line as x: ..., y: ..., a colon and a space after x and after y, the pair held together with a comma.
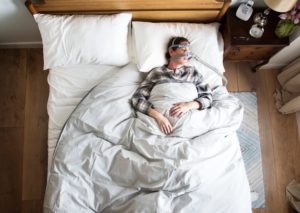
x: 175, y: 40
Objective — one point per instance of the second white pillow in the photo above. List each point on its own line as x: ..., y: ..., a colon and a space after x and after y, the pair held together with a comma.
x: 151, y: 40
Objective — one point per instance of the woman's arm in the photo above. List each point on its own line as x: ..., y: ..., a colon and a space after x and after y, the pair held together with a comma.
x: 140, y: 102
x: 163, y: 122
x: 140, y: 97
x: 181, y: 108
x: 204, y: 92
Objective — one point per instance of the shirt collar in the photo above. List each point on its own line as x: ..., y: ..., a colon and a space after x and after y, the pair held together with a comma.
x: 177, y: 71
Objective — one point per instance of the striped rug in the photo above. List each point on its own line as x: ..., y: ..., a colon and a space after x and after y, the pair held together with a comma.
x: 248, y: 135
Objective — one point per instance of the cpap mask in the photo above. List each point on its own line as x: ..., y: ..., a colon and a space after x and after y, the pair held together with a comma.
x: 189, y: 55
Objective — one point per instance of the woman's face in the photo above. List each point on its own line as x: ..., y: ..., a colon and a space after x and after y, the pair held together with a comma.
x: 180, y: 51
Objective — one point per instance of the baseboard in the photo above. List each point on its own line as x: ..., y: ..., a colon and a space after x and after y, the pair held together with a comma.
x: 9, y: 45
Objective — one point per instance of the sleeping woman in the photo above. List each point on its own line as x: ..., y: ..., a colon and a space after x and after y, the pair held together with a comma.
x: 170, y: 93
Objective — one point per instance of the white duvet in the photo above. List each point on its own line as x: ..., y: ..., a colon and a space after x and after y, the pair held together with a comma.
x: 111, y: 159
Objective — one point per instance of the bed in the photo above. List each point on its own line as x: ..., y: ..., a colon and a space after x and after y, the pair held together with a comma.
x: 105, y: 157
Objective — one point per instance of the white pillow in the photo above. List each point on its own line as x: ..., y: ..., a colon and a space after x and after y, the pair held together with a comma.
x: 151, y: 40
x: 84, y: 39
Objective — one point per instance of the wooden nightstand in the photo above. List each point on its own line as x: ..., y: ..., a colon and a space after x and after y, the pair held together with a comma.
x: 240, y: 46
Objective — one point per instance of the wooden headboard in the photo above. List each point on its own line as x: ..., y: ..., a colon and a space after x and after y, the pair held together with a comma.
x: 142, y: 10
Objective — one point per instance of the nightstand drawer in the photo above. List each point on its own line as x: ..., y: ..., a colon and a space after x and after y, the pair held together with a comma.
x: 249, y: 53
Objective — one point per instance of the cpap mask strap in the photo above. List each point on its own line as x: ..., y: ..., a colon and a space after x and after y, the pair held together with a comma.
x: 179, y: 45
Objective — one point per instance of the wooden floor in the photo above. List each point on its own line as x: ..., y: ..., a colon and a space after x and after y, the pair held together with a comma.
x: 23, y: 132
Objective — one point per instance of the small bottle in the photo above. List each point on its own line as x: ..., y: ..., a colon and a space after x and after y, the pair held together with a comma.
x: 245, y: 10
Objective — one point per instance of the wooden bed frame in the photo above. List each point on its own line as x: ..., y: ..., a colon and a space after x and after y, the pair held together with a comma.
x: 142, y: 10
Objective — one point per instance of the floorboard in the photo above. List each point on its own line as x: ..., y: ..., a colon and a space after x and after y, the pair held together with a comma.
x: 11, y: 169
x: 266, y: 138
x: 35, y: 128
x: 12, y: 87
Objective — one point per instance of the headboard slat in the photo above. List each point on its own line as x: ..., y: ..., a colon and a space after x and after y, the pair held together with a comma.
x: 142, y: 10
x: 130, y: 4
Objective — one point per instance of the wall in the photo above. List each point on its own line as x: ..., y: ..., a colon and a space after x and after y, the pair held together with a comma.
x: 18, y: 28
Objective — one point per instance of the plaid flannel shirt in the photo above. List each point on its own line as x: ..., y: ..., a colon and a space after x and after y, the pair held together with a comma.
x: 164, y: 75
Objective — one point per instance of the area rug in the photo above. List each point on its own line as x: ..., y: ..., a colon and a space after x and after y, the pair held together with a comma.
x: 248, y: 135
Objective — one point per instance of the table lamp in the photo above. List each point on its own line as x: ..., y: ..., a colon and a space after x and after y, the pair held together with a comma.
x: 280, y: 5
x: 260, y: 19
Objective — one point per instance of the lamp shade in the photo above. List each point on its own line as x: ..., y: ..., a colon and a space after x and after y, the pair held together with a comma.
x: 280, y: 5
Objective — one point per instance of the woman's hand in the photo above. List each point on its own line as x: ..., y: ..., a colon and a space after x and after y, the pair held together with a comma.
x: 164, y: 124
x: 181, y: 108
